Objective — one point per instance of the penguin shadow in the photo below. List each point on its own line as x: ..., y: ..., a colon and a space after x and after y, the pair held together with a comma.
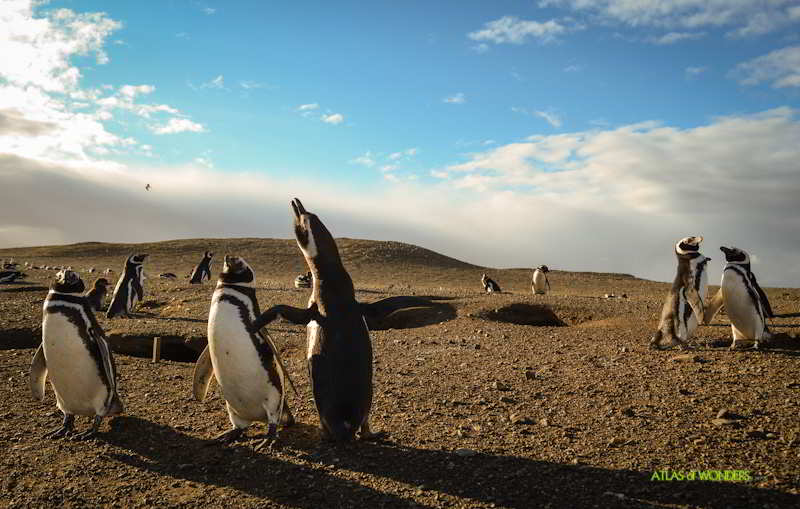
x: 151, y: 447
x: 16, y: 287
x: 510, y: 481
x: 19, y: 338
x: 406, y: 312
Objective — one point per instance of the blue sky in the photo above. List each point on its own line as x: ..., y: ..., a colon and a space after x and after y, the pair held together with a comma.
x: 503, y: 133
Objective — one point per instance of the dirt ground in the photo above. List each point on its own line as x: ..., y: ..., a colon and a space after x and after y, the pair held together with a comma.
x: 505, y: 400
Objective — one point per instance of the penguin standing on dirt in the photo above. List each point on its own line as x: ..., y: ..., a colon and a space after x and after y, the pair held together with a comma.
x: 202, y: 272
x: 129, y: 289
x: 745, y: 302
x: 339, y: 352
x: 9, y: 276
x: 303, y: 281
x: 75, y: 355
x: 245, y: 363
x: 685, y: 304
x: 97, y: 295
x: 539, y: 280
x: 489, y: 285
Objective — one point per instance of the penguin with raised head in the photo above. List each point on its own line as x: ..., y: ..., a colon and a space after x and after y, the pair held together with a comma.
x: 75, y: 355
x: 489, y: 284
x: 539, y: 283
x: 97, y: 294
x: 129, y: 289
x: 685, y: 304
x: 202, y: 272
x: 244, y: 361
x: 744, y: 301
x: 339, y: 354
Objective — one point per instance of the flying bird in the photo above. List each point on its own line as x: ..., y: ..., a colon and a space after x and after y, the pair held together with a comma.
x: 147, y: 187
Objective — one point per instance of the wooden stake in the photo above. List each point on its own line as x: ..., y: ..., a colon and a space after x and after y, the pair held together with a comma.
x: 156, y: 349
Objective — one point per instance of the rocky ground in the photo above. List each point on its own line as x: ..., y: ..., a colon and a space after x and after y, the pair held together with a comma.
x: 509, y: 400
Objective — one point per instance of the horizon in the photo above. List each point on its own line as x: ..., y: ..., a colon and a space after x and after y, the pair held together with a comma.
x: 587, y: 136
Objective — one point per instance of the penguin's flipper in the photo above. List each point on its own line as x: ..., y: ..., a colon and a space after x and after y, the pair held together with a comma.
x: 38, y: 374
x: 713, y: 307
x: 105, y: 357
x: 547, y: 281
x: 762, y: 297
x: 695, y: 302
x: 203, y: 373
x: 298, y: 316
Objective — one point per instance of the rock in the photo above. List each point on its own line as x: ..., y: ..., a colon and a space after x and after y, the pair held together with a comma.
x: 724, y: 414
x: 685, y: 392
x: 466, y: 452
x: 530, y: 375
x: 544, y: 422
x: 686, y: 358
x: 628, y: 412
x: 506, y: 399
x: 725, y: 422
x: 500, y: 386
x: 518, y: 419
x: 624, y: 349
x: 477, y: 346
x: 616, y: 442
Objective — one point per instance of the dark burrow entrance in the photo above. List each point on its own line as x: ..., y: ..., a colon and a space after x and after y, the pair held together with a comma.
x: 524, y: 314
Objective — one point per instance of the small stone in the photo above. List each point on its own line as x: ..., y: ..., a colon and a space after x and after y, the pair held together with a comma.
x: 465, y: 452
x: 699, y: 441
x: 624, y: 349
x: 724, y: 414
x: 530, y: 375
x: 500, y: 386
x: 616, y: 442
x: 628, y: 412
x: 686, y: 358
x: 725, y: 422
x: 477, y: 346
x: 685, y: 392
x: 506, y: 399
x: 544, y: 422
x: 518, y: 419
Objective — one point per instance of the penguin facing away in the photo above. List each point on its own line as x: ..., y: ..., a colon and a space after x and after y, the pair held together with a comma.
x: 245, y: 363
x: 202, y: 272
x: 744, y: 301
x: 684, y: 306
x: 339, y: 355
x: 539, y: 280
x: 489, y: 285
x: 96, y: 296
x: 129, y: 289
x: 75, y: 356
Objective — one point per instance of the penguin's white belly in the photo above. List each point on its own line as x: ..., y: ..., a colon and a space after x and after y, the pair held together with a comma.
x: 539, y: 285
x: 742, y: 313
x: 244, y: 381
x: 73, y: 372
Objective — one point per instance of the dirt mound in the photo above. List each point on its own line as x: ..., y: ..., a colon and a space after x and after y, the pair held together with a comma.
x: 524, y: 314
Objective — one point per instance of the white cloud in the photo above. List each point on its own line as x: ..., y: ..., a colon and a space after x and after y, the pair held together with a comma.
x: 674, y: 37
x: 742, y: 17
x: 308, y: 107
x: 334, y: 118
x: 510, y: 29
x: 480, y: 48
x: 178, y: 125
x: 204, y: 161
x: 459, y: 98
x: 573, y: 68
x: 132, y: 91
x: 408, y: 153
x: 551, y: 118
x: 695, y: 70
x: 218, y: 83
x: 389, y: 167
x: 249, y: 85
x: 366, y: 159
x: 781, y: 67
x: 209, y: 10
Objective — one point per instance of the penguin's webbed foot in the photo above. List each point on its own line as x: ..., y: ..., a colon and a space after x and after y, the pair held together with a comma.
x: 368, y: 436
x: 230, y: 436
x: 272, y: 437
x: 86, y: 435
x: 60, y: 432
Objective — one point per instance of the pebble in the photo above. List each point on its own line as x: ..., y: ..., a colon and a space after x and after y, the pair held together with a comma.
x: 724, y: 422
x: 500, y: 386
x: 544, y: 422
x: 616, y: 442
x: 724, y: 414
x: 686, y: 358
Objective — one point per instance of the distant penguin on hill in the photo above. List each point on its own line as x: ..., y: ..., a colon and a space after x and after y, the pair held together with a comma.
x: 489, y: 285
x: 129, y: 288
x: 745, y: 302
x: 97, y: 294
x: 202, y: 272
x: 303, y: 281
x: 75, y: 355
x: 9, y: 276
x: 684, y: 307
x: 539, y: 281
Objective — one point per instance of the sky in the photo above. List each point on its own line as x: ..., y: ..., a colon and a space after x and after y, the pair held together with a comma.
x: 584, y: 135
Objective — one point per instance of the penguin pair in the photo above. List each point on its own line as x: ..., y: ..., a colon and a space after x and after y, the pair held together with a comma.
x: 745, y: 302
x: 489, y: 284
x: 539, y: 280
x: 202, y: 272
x: 75, y: 355
x: 129, y: 289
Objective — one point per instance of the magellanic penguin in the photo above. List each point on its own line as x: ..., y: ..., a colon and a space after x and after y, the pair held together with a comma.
x: 489, y: 285
x: 75, y: 355
x: 9, y: 276
x: 97, y: 294
x: 129, y: 289
x: 745, y: 302
x: 202, y: 272
x: 339, y: 352
x: 539, y: 281
x: 244, y: 361
x: 303, y: 281
x: 685, y: 304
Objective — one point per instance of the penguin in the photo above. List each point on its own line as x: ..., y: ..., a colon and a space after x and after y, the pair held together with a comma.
x: 539, y: 280
x: 168, y: 275
x: 339, y: 350
x: 97, y: 295
x: 75, y: 355
x: 244, y: 361
x: 489, y: 284
x: 108, y: 271
x: 9, y: 276
x: 685, y: 303
x: 129, y: 288
x: 90, y: 270
x: 202, y: 272
x: 744, y: 301
x: 303, y: 281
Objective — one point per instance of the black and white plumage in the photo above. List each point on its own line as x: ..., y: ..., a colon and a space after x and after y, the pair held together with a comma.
x: 244, y: 361
x: 303, y: 280
x: 684, y: 307
x: 129, y: 289
x: 745, y: 302
x: 539, y: 283
x: 96, y: 296
x: 202, y: 272
x: 75, y: 356
x: 489, y: 284
x: 9, y: 276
